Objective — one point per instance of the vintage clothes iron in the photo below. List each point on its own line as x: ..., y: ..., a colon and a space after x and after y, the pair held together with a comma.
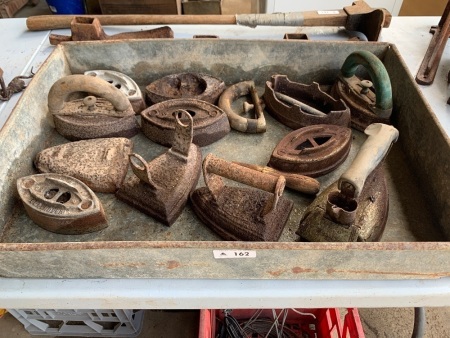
x: 125, y: 84
x: 297, y: 105
x: 237, y: 213
x: 185, y: 86
x: 312, y: 151
x: 210, y: 123
x: 109, y: 115
x: 366, y: 106
x: 99, y: 163
x: 61, y: 204
x: 161, y: 187
x: 238, y: 122
x: 356, y: 207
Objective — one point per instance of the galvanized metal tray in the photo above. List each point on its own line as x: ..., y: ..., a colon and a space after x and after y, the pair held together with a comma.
x: 135, y: 246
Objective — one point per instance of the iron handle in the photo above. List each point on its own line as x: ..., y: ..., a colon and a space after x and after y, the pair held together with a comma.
x: 378, y: 74
x: 372, y: 152
x: 61, y: 89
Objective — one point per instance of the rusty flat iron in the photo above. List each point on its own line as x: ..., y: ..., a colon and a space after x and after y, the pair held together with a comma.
x: 312, y: 151
x: 85, y: 28
x: 237, y: 213
x: 99, y: 163
x: 367, y: 106
x: 61, y: 204
x: 125, y: 84
x: 160, y: 188
x: 238, y: 122
x: 297, y: 105
x: 185, y: 86
x: 356, y: 207
x: 109, y: 115
x: 210, y: 122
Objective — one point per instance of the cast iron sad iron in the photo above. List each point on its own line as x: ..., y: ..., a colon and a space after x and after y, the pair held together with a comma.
x: 297, y: 105
x: 356, y: 207
x: 101, y: 164
x: 61, y: 204
x: 238, y: 122
x: 312, y: 151
x: 210, y: 123
x: 125, y: 84
x: 237, y: 213
x: 161, y: 188
x: 110, y: 115
x: 366, y: 106
x: 185, y: 86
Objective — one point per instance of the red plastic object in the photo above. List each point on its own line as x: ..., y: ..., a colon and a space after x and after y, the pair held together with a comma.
x: 326, y: 324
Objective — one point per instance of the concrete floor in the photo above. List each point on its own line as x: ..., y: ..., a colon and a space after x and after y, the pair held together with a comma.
x: 392, y: 322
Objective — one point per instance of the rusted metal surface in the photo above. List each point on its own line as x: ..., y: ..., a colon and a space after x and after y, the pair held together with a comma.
x: 125, y: 84
x: 297, y: 105
x: 15, y: 86
x: 369, y: 21
x: 366, y: 107
x: 161, y: 187
x: 296, y: 182
x: 101, y: 164
x: 187, y: 86
x: 8, y: 8
x: 210, y: 122
x: 137, y: 246
x: 238, y: 122
x: 61, y: 204
x: 241, y: 214
x: 312, y: 151
x: 85, y: 28
x: 430, y: 63
x: 356, y: 207
x: 110, y: 115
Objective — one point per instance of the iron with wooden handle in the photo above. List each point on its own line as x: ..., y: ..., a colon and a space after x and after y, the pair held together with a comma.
x: 354, y: 208
x: 358, y: 17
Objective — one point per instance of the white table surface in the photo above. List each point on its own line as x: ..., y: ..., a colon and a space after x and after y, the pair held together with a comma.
x: 22, y: 50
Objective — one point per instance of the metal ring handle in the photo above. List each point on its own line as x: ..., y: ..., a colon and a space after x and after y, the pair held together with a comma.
x: 67, y: 85
x: 238, y: 122
x: 377, y: 72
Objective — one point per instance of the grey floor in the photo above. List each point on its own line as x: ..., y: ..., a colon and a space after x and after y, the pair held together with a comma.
x: 392, y: 322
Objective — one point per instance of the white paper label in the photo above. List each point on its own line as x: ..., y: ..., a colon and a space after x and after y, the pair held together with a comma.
x: 327, y: 12
x: 234, y: 254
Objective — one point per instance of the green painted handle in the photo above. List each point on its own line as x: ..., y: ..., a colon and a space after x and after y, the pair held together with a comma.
x: 377, y: 72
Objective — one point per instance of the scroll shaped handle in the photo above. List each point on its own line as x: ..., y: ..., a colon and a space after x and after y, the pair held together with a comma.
x: 214, y: 168
x: 61, y: 89
x: 141, y: 169
x: 378, y: 74
x: 372, y: 152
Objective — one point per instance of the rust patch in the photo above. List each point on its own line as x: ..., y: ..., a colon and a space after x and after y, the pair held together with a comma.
x: 169, y: 265
x: 298, y: 269
x: 276, y: 273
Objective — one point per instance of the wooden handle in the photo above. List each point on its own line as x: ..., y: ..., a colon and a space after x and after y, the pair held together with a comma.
x: 46, y: 22
x: 294, y: 181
